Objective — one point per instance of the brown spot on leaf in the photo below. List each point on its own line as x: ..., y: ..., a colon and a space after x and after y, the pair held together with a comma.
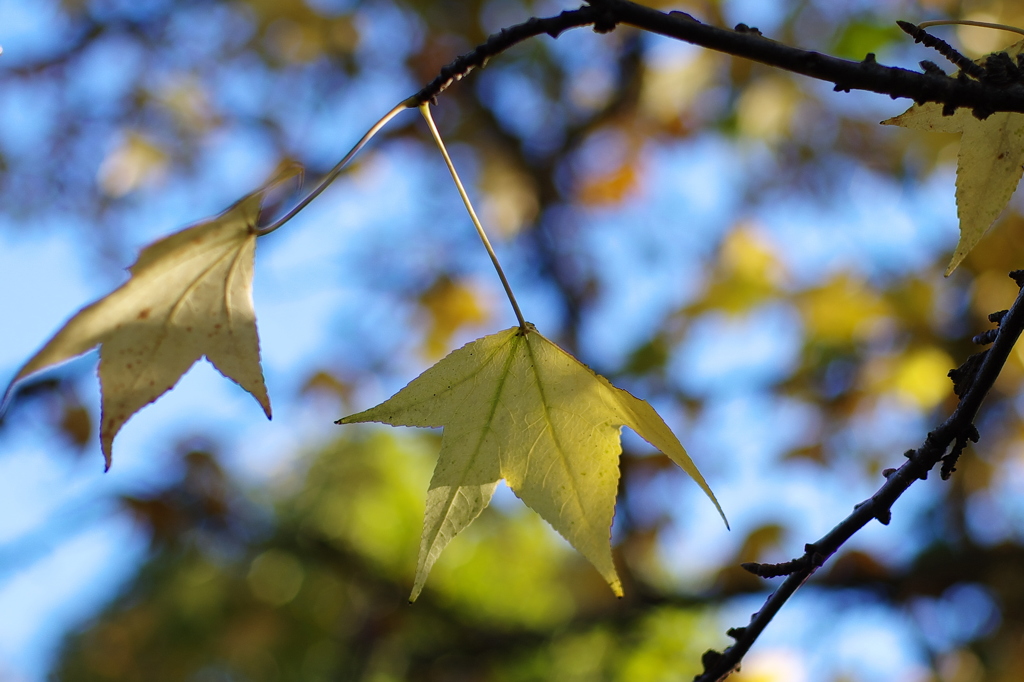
x: 144, y: 313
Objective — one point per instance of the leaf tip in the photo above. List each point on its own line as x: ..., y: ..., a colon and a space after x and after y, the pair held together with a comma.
x: 416, y: 589
x: 955, y: 261
x: 108, y: 430
x: 358, y: 418
x: 721, y: 512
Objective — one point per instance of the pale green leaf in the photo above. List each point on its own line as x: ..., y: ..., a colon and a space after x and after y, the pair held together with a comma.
x: 515, y: 406
x: 989, y: 165
x: 190, y: 295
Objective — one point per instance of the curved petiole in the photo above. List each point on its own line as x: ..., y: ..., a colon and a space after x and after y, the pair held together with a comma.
x: 336, y: 171
x: 968, y: 22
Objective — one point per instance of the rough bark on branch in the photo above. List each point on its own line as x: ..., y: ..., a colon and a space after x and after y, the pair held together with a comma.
x: 929, y: 86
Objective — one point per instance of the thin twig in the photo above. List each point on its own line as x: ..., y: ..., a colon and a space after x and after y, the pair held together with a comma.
x: 965, y: 64
x: 425, y: 110
x: 954, y: 432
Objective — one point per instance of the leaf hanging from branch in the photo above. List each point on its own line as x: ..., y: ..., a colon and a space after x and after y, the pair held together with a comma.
x: 515, y: 406
x: 190, y: 295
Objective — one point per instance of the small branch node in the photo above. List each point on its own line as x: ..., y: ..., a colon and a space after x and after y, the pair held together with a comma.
x: 997, y: 317
x: 813, y: 556
x: 886, y: 473
x: 985, y: 337
x: 750, y: 30
x: 752, y: 567
x: 969, y: 434
x: 909, y: 454
x: 710, y: 659
x: 932, y: 69
x: 736, y: 633
x: 774, y: 570
x: 1000, y: 70
x: 963, y: 376
x: 606, y: 21
x: 676, y: 14
x: 1018, y: 277
x: 884, y: 516
x: 869, y: 58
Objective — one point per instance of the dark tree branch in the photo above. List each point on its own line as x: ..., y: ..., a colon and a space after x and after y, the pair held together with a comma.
x: 952, y: 436
x: 983, y: 98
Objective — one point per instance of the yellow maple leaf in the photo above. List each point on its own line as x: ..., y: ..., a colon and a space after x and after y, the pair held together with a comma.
x: 989, y: 164
x: 190, y: 295
x: 515, y: 406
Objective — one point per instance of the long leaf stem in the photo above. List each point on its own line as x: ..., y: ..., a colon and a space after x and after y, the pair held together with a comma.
x: 967, y: 22
x: 425, y: 110
x: 336, y: 171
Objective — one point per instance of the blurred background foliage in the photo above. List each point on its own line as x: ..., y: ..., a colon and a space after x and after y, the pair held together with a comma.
x: 748, y: 250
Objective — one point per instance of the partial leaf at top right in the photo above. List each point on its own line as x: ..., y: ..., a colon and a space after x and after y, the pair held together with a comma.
x: 989, y: 165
